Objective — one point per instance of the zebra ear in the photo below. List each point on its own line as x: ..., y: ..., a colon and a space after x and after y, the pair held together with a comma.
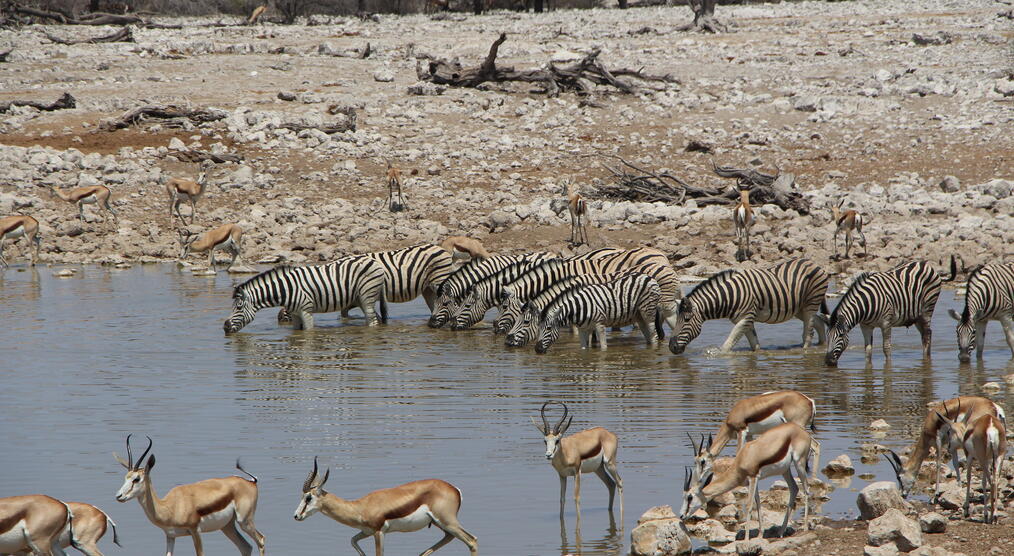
x: 954, y: 315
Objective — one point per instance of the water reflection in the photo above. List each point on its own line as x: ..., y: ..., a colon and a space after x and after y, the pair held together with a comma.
x: 141, y: 350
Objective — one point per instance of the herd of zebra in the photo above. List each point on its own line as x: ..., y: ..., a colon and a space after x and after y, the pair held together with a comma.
x: 538, y: 294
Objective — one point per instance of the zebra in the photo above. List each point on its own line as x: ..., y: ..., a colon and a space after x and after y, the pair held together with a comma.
x: 632, y: 298
x: 989, y: 295
x: 793, y: 288
x: 513, y: 295
x: 408, y: 273
x: 457, y: 284
x: 526, y: 326
x: 304, y: 290
x: 480, y: 296
x: 902, y: 296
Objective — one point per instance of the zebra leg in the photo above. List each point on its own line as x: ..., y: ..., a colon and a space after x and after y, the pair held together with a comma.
x: 886, y: 333
x: 926, y: 334
x: 737, y: 332
x: 807, y: 319
x: 821, y: 329
x: 751, y: 336
x: 302, y: 319
x: 583, y: 334
x: 600, y: 331
x: 369, y: 311
x: 867, y: 339
x: 1008, y: 330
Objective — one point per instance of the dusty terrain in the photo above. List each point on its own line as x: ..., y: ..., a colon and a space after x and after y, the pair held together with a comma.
x: 838, y: 94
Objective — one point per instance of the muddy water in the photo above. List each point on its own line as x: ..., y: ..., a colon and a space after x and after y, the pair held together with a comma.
x: 86, y: 360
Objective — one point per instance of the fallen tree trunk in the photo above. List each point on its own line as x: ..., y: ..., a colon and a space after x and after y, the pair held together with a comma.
x: 64, y: 102
x: 577, y: 76
x: 748, y: 175
x: 138, y: 115
x: 97, y: 18
x: 638, y: 184
x: 193, y: 155
x: 123, y: 35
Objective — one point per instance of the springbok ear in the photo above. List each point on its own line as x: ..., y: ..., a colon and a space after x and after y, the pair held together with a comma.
x: 711, y: 439
x: 121, y: 461
x: 538, y: 426
x: 706, y: 479
x: 151, y: 463
x: 686, y: 479
x: 327, y: 474
x: 943, y: 419
x: 954, y: 315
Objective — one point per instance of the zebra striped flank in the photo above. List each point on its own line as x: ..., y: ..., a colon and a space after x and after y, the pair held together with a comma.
x: 481, y: 295
x: 304, y: 290
x: 413, y: 271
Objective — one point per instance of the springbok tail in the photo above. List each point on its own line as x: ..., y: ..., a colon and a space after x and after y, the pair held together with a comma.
x: 112, y: 525
x: 240, y: 467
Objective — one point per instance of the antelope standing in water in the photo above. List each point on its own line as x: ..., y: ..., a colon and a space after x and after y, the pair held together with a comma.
x: 985, y: 441
x: 742, y: 217
x: 776, y: 452
x: 209, y: 505
x: 395, y: 200
x: 753, y: 416
x: 848, y: 221
x: 180, y: 190
x: 33, y: 524
x: 406, y: 508
x: 14, y: 227
x: 97, y: 195
x: 589, y: 451
x: 227, y: 237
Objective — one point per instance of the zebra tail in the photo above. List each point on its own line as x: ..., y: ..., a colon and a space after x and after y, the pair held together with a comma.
x: 659, y: 330
x: 954, y: 269
x: 823, y: 308
x: 383, y: 308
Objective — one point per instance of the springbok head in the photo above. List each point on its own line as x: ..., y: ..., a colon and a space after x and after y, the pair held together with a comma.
x: 552, y: 435
x: 693, y: 497
x: 186, y: 238
x: 703, y: 460
x: 313, y: 493
x: 133, y: 481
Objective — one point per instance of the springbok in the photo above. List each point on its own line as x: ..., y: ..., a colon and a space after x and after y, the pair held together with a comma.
x: 395, y: 200
x: 742, y: 218
x: 182, y: 189
x: 90, y: 525
x: 578, y: 209
x: 776, y: 452
x: 33, y: 524
x: 972, y: 407
x: 756, y: 415
x: 89, y: 195
x: 985, y: 441
x: 405, y: 508
x: 209, y: 505
x: 13, y: 227
x: 848, y: 221
x: 589, y: 451
x: 462, y: 247
x: 227, y: 237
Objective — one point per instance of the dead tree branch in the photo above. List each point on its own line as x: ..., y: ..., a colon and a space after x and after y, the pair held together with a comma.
x: 138, y: 115
x: 64, y: 102
x: 193, y: 155
x: 123, y: 35
x: 577, y: 76
x: 748, y: 175
x: 96, y: 18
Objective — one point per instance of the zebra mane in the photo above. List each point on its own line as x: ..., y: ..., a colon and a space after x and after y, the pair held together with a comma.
x: 849, y: 294
x: 271, y: 272
x: 558, y: 299
x: 711, y: 283
x: 441, y: 289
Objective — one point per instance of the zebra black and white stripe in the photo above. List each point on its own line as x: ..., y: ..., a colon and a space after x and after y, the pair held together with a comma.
x: 794, y: 288
x: 989, y: 295
x: 304, y: 290
x: 480, y: 297
x: 631, y: 299
x: 449, y: 293
x: 905, y: 295
x: 526, y: 327
x: 512, y: 296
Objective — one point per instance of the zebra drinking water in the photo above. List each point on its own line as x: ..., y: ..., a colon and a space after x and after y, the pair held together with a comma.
x: 902, y: 296
x: 989, y: 295
x: 631, y: 299
x: 304, y: 290
x: 794, y: 288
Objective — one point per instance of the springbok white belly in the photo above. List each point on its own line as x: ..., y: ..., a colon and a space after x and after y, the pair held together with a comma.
x: 773, y: 420
x: 15, y: 233
x: 777, y: 468
x: 412, y: 522
x: 219, y: 519
x: 226, y: 245
x: 89, y: 200
x: 591, y: 464
x: 13, y: 540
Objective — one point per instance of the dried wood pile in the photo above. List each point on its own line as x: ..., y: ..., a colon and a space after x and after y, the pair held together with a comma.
x: 579, y: 76
x: 98, y: 18
x: 632, y: 183
x: 123, y: 35
x: 168, y: 112
x: 64, y: 102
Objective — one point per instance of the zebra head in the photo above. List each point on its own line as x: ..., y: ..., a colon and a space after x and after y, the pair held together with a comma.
x: 687, y: 326
x: 966, y: 334
x: 242, y: 312
x: 509, y: 307
x: 524, y: 328
x: 441, y: 311
x: 837, y: 337
x: 471, y: 310
x: 548, y: 332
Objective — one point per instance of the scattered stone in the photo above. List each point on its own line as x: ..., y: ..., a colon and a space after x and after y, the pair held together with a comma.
x: 383, y: 75
x: 659, y: 536
x: 879, y: 425
x: 876, y: 498
x: 839, y: 467
x: 425, y: 88
x: 991, y: 387
x: 286, y: 96
x: 752, y: 547
x: 886, y: 550
x: 932, y: 39
x: 932, y: 523
x: 949, y: 184
x: 894, y: 527
x: 65, y: 273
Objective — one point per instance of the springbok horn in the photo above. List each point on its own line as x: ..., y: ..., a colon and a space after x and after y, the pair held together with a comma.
x: 130, y: 456
x: 693, y: 445
x: 308, y: 483
x: 562, y: 419
x: 545, y: 424
x: 140, y: 460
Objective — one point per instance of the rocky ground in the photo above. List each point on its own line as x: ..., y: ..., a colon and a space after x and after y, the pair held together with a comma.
x: 902, y: 109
